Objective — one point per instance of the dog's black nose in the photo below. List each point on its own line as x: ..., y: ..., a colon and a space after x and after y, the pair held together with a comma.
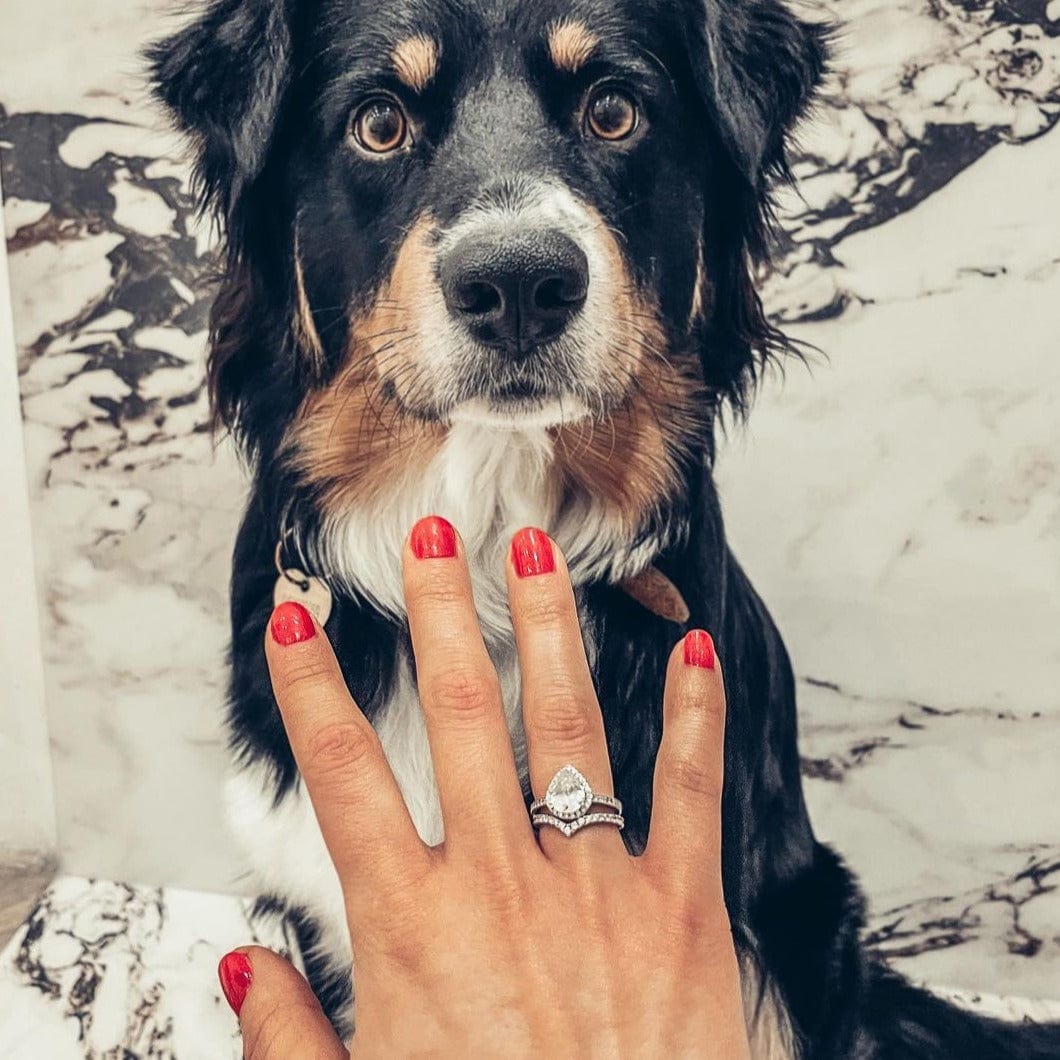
x: 515, y: 292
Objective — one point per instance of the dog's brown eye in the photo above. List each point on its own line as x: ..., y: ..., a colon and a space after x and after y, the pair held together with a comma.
x: 611, y: 114
x: 380, y: 126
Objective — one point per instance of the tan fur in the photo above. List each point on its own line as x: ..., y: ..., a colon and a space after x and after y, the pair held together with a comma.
x: 305, y: 329
x: 415, y: 61
x: 699, y: 293
x: 348, y: 439
x: 571, y: 44
x: 355, y: 445
x: 630, y: 461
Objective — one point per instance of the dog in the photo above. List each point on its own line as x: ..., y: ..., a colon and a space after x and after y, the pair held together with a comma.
x: 495, y: 260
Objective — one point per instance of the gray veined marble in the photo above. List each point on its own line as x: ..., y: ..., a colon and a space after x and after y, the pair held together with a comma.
x: 898, y: 506
x: 109, y: 971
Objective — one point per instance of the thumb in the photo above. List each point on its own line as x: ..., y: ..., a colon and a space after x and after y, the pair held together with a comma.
x: 279, y: 1016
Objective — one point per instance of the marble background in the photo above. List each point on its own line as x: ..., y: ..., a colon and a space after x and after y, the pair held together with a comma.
x: 897, y: 504
x: 27, y: 823
x: 115, y: 971
x: 27, y: 815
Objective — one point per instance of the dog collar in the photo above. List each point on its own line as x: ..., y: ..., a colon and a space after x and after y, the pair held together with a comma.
x: 651, y: 589
x: 655, y: 592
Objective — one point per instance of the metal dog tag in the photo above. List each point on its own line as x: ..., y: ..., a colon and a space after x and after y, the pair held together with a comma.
x: 311, y: 593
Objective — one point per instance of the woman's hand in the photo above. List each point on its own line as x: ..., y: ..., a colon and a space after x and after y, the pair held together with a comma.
x: 503, y: 942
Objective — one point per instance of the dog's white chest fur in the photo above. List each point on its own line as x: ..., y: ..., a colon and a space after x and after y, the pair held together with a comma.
x: 489, y: 483
x: 486, y: 481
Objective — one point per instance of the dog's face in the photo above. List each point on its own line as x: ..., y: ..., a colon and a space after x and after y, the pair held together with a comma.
x: 516, y: 211
x: 499, y: 204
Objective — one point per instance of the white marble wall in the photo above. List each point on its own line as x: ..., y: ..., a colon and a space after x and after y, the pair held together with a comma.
x: 899, y: 508
x: 27, y: 812
x: 134, y: 505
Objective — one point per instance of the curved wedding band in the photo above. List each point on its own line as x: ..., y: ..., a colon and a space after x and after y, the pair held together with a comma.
x: 567, y: 804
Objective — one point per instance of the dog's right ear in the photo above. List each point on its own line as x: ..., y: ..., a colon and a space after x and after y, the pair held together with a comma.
x: 223, y: 78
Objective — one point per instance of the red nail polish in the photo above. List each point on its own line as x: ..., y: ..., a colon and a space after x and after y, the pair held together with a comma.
x: 291, y: 624
x: 699, y: 649
x: 433, y: 538
x: 236, y: 975
x: 532, y: 553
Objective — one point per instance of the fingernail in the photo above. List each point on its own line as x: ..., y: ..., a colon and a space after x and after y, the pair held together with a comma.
x: 433, y: 538
x: 532, y: 553
x: 699, y: 649
x: 291, y: 624
x: 236, y: 976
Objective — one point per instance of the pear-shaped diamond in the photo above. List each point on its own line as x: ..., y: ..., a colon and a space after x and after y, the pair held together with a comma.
x: 569, y: 794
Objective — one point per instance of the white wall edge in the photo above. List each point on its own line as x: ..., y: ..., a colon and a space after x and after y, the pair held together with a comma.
x: 27, y: 798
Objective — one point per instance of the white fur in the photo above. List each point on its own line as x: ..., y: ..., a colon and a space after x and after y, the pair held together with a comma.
x: 769, y: 1029
x: 286, y: 851
x: 489, y: 482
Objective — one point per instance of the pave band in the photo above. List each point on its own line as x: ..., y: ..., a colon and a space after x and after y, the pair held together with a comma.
x: 568, y: 828
x: 568, y: 802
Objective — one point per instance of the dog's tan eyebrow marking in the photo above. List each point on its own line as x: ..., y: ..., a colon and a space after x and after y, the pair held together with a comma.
x: 571, y: 44
x: 415, y: 61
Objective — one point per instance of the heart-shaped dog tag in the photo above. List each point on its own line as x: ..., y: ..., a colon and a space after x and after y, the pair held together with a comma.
x: 312, y: 593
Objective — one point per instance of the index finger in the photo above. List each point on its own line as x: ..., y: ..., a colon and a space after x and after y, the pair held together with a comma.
x: 360, y: 809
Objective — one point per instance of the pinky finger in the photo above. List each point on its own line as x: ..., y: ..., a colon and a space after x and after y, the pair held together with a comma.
x: 685, y: 840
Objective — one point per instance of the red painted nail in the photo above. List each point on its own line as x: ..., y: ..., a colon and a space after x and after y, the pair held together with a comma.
x: 699, y: 649
x: 433, y: 538
x: 532, y: 553
x: 291, y: 624
x: 236, y: 975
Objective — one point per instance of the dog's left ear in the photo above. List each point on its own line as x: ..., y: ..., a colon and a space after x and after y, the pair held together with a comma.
x: 756, y: 66
x: 223, y: 77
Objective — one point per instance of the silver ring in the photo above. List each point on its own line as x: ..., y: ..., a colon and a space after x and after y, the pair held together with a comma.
x: 568, y: 802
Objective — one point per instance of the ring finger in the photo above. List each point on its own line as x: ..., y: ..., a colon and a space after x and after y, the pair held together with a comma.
x: 561, y: 715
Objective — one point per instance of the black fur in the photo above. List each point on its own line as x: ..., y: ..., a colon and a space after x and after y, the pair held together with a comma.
x: 263, y: 88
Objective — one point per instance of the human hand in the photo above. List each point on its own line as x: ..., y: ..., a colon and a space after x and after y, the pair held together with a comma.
x: 502, y: 941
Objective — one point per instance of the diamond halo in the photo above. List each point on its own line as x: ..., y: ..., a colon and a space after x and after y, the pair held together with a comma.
x: 569, y: 795
x: 568, y: 802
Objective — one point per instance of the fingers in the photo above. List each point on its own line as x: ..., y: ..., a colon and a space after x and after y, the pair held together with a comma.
x: 560, y: 711
x: 685, y: 839
x: 358, y: 804
x: 470, y: 744
x: 278, y: 1015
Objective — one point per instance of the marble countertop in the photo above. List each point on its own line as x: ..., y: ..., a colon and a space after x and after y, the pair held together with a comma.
x: 105, y: 970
